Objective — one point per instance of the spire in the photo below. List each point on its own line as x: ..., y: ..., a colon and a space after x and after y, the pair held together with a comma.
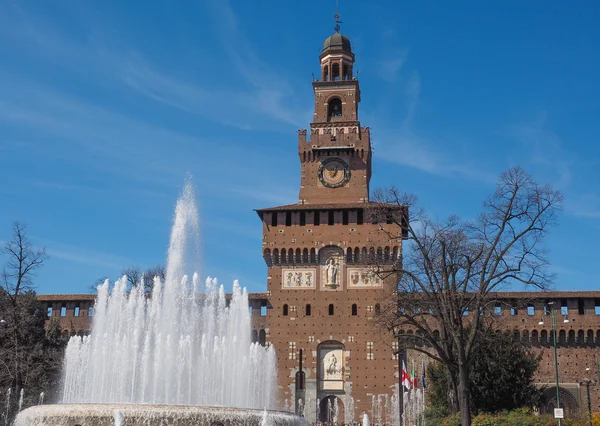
x: 337, y: 17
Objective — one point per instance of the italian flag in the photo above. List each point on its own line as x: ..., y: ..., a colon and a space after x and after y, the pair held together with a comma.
x: 413, y: 375
x: 405, y: 380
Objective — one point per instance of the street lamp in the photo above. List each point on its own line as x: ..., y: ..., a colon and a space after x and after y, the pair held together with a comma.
x: 565, y: 320
x: 586, y: 382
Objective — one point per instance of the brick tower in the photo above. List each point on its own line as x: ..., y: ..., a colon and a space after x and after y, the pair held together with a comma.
x: 322, y: 295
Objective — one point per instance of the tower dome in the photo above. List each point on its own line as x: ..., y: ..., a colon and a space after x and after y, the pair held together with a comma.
x: 336, y: 41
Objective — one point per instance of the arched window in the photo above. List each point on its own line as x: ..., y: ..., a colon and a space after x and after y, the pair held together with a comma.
x: 377, y: 309
x: 254, y: 336
x: 262, y: 337
x: 331, y: 309
x: 354, y: 310
x: 335, y: 72
x: 285, y: 310
x: 335, y: 108
x: 308, y: 310
x: 326, y: 73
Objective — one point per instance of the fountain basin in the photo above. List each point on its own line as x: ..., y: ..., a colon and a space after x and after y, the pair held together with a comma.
x: 151, y: 415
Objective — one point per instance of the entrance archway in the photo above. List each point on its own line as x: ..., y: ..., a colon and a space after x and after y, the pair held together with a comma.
x: 331, y: 410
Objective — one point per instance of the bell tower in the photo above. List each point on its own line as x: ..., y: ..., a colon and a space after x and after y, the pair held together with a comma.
x: 336, y: 157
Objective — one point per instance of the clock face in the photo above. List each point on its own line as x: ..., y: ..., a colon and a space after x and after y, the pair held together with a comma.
x: 334, y: 173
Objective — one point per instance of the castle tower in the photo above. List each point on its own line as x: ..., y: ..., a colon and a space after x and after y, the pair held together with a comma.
x: 322, y: 295
x: 336, y: 163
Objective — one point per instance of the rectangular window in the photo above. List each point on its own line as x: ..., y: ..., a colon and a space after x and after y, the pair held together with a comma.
x: 288, y: 218
x: 292, y: 350
x: 359, y: 217
x: 311, y: 339
x: 514, y: 311
x: 63, y: 311
x: 345, y: 217
x: 49, y: 311
x: 530, y: 310
x: 466, y: 311
x: 370, y: 351
x: 330, y: 218
x: 597, y: 307
x: 302, y: 218
x: 263, y: 311
x: 498, y: 309
x: 581, y: 306
x: 317, y: 220
x: 395, y: 350
x: 273, y: 218
x: 351, y: 339
x: 564, y: 310
x: 91, y: 311
x: 77, y: 310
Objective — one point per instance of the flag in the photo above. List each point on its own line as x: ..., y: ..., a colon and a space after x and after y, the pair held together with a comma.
x: 413, y: 375
x: 423, y: 376
x: 405, y: 379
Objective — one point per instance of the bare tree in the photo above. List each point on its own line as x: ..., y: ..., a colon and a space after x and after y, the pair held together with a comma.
x: 29, y: 358
x: 453, y: 268
x: 22, y: 264
x: 137, y: 277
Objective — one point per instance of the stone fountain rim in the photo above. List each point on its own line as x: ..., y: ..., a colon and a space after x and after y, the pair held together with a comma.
x: 154, y: 407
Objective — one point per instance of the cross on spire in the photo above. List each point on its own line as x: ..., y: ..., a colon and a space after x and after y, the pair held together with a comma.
x: 337, y: 17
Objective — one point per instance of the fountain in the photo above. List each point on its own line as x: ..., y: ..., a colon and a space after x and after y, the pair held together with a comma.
x: 179, y: 357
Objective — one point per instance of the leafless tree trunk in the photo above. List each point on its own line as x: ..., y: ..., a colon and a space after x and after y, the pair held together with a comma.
x: 22, y: 264
x: 16, y: 283
x: 451, y: 269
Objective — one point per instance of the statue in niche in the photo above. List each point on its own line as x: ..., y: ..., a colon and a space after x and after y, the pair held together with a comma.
x: 332, y: 369
x: 332, y: 270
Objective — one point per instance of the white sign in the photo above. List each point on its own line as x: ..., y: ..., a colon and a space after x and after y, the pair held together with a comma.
x: 559, y: 413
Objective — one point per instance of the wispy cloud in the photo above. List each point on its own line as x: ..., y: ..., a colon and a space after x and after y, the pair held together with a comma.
x: 83, y: 255
x: 403, y: 145
x: 391, y: 65
x: 585, y: 206
x: 545, y: 150
x: 261, y: 96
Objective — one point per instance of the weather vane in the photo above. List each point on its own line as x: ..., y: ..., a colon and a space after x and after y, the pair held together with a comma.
x: 337, y: 17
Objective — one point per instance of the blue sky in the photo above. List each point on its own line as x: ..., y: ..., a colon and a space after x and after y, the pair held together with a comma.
x: 104, y: 106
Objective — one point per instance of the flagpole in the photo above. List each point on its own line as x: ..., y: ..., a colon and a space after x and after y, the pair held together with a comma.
x: 400, y: 385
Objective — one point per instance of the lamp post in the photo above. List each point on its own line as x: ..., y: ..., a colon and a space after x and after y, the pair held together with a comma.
x: 566, y: 320
x: 587, y: 382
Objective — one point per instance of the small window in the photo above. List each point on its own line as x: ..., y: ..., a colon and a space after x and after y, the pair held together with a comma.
x: 91, y: 311
x: 274, y: 219
x: 288, y: 218
x: 354, y: 310
x: 581, y: 306
x: 49, y: 311
x: 466, y: 311
x: 263, y: 311
x: 330, y: 217
x: 302, y: 218
x: 530, y: 310
x: 377, y: 309
x: 308, y: 310
x: 498, y: 309
x: 76, y: 311
x: 597, y: 306
x: 285, y: 310
x: 359, y: 217
x: 63, y: 311
x: 331, y: 309
x: 514, y: 311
